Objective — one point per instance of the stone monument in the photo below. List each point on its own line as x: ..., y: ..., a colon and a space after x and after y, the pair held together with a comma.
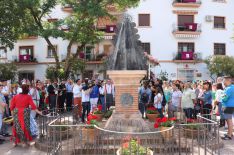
x: 126, y: 67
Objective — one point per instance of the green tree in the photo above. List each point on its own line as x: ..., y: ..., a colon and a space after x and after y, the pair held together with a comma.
x: 81, y: 24
x: 220, y: 65
x: 8, y: 71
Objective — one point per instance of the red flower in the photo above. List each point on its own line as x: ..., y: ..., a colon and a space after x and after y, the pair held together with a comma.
x: 88, y: 122
x: 94, y: 117
x: 189, y: 120
x: 156, y: 125
x: 157, y: 120
x: 152, y: 108
x: 125, y: 145
x: 162, y: 120
x: 172, y: 119
x: 90, y: 117
x: 99, y: 107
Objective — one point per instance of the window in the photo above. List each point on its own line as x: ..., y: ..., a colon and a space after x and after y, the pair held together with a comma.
x: 186, y: 47
x: 25, y: 53
x: 219, y: 49
x: 3, y: 53
x: 88, y: 53
x: 50, y: 51
x: 26, y: 50
x: 182, y: 19
x: 144, y: 19
x: 186, y: 74
x: 219, y: 22
x: 146, y: 47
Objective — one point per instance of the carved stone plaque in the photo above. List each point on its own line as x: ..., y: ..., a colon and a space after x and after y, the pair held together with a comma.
x: 126, y: 99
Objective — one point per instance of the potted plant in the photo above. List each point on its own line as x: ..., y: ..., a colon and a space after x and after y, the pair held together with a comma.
x: 89, y: 132
x: 98, y: 113
x: 193, y: 129
x: 152, y: 113
x: 165, y: 125
x: 133, y: 147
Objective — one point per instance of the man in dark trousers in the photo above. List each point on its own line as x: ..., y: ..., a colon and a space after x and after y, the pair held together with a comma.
x: 61, y: 95
x: 52, y: 96
x: 69, y: 95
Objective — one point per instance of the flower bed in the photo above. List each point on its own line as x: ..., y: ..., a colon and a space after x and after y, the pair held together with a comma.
x: 133, y: 148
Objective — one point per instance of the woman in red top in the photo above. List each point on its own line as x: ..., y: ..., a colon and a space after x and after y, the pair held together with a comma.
x: 21, y: 105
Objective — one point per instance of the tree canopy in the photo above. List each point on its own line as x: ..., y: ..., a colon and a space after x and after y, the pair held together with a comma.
x: 29, y: 17
x: 220, y: 65
x: 8, y: 71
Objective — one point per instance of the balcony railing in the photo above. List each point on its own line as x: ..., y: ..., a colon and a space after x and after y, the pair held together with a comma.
x: 187, y: 56
x: 93, y: 57
x: 25, y: 59
x: 188, y: 30
x: 186, y: 3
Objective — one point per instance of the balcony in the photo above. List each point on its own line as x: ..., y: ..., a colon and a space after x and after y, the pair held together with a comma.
x: 187, y: 3
x: 67, y: 8
x: 25, y: 59
x: 187, y: 30
x: 187, y: 57
x: 92, y: 58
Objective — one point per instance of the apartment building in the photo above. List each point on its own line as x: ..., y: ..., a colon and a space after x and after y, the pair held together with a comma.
x: 182, y: 33
x: 32, y: 54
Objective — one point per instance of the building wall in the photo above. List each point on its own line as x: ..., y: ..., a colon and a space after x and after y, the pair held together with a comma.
x: 164, y: 43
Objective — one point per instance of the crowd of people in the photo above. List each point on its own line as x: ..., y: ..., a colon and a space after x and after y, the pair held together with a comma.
x: 23, y: 101
x: 190, y: 98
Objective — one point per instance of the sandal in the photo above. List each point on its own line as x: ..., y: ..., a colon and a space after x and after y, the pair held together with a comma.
x: 226, y: 137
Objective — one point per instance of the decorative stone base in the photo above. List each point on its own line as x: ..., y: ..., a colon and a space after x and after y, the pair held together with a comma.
x: 126, y: 117
x: 127, y: 123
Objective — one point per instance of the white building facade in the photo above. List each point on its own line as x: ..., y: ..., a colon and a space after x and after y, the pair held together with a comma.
x: 182, y: 33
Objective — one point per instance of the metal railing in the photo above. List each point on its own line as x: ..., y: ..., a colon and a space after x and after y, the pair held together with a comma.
x: 187, y: 1
x: 186, y: 28
x: 65, y: 137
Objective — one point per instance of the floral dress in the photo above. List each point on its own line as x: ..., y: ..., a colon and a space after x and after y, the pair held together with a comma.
x: 21, y: 106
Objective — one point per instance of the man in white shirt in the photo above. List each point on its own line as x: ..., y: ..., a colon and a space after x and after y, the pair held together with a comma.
x: 85, y: 100
x: 77, y: 94
x: 18, y: 89
x: 110, y: 94
x: 102, y: 96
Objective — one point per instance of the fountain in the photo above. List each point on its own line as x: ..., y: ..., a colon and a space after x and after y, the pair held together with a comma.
x: 127, y: 66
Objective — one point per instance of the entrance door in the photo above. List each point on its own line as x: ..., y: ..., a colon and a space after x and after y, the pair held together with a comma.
x: 26, y: 75
x: 186, y: 74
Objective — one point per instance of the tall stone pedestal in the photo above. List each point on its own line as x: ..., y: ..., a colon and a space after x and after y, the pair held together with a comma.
x: 126, y: 117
